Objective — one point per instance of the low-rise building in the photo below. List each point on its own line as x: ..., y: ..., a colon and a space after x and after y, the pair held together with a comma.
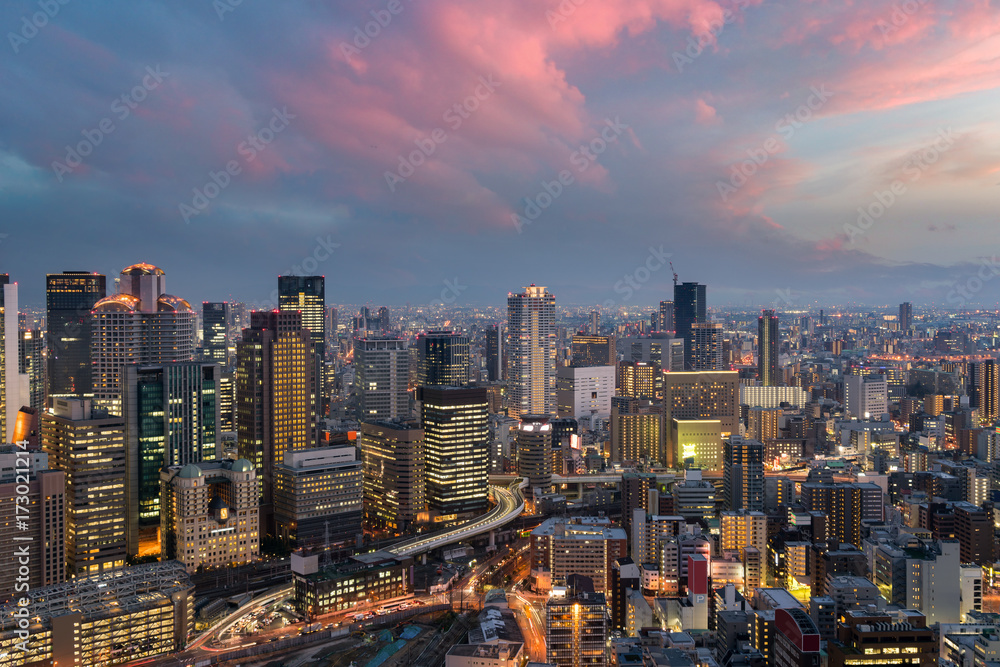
x: 372, y: 576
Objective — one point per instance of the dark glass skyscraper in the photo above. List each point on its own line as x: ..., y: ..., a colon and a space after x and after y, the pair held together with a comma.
x: 689, y: 307
x: 905, y: 316
x: 69, y: 297
x: 494, y: 354
x: 306, y: 294
x: 767, y: 348
x: 215, y: 332
x: 444, y: 359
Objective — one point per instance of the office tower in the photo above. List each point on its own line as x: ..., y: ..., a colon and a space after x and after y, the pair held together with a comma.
x: 576, y: 629
x: 742, y: 528
x: 586, y: 546
x: 106, y: 619
x: 689, y: 307
x: 69, y: 298
x: 89, y: 445
x: 637, y: 379
x: 846, y: 506
x: 534, y: 451
x: 142, y: 324
x: 494, y: 353
x: 531, y: 360
x: 974, y: 530
x: 32, y: 513
x: 215, y: 319
x: 988, y: 385
x: 706, y: 346
x: 32, y: 365
x: 767, y: 349
x: 700, y: 396
x: 698, y: 442
x: 585, y: 391
x: 276, y: 394
x: 743, y: 474
x: 636, y: 487
x: 456, y: 449
x: 905, y: 316
x: 796, y: 639
x: 443, y: 359
x: 883, y: 638
x: 594, y: 350
x: 14, y: 386
x: 307, y: 295
x: 594, y: 326
x: 227, y: 401
x: 381, y: 371
x: 394, y: 479
x: 319, y: 497
x: 666, y: 316
x: 172, y: 418
x: 331, y: 331
x: 636, y: 433
x: 866, y: 396
x: 210, y: 516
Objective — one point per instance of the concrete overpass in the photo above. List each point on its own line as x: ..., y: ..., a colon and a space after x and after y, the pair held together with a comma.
x: 510, y: 504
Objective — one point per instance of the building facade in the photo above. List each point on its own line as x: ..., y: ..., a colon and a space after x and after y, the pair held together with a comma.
x: 531, y: 360
x: 394, y: 475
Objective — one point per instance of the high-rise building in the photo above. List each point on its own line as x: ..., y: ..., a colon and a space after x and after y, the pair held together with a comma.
x: 866, y: 396
x: 706, y: 346
x: 743, y: 474
x: 14, y: 386
x: 307, y: 295
x: 456, y: 449
x: 637, y: 379
x: 689, y: 307
x: 393, y: 465
x: 585, y: 391
x: 89, y: 446
x: 318, y: 498
x: 741, y: 528
x: 636, y: 487
x: 494, y: 354
x: 698, y: 442
x: 700, y: 396
x: 69, y: 298
x: 576, y: 629
x: 905, y: 316
x: 331, y: 330
x: 846, y: 506
x: 171, y: 419
x: 988, y: 384
x: 531, y: 361
x: 764, y: 424
x: 276, y: 394
x: 534, y: 451
x: 443, y: 359
x: 636, y: 433
x: 215, y: 320
x: 666, y: 316
x: 594, y: 326
x: 974, y: 530
x: 594, y: 350
x: 142, y: 324
x: 586, y: 546
x: 210, y: 515
x: 32, y: 366
x: 767, y: 349
x: 381, y: 372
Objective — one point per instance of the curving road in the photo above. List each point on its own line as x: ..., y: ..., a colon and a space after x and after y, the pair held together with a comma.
x: 510, y: 504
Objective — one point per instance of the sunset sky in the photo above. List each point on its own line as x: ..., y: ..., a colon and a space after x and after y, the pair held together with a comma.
x: 313, y: 130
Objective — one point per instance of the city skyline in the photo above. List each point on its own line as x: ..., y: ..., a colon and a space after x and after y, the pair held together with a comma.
x: 867, y: 158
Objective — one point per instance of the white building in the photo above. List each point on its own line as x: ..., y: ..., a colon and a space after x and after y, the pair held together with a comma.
x: 585, y: 391
x: 866, y: 396
x: 971, y: 584
x: 772, y: 397
x: 14, y: 386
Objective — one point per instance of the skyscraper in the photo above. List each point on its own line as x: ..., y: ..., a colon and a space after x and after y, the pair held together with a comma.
x: 14, y: 385
x: 276, y: 394
x: 594, y: 351
x: 666, y: 316
x: 743, y: 474
x: 32, y: 366
x: 142, y: 324
x: 89, y: 445
x: 215, y: 332
x: 531, y: 364
x: 767, y: 348
x: 456, y: 448
x: 576, y: 629
x: 534, y: 451
x: 706, y: 346
x: 594, y: 326
x: 306, y: 294
x: 69, y: 298
x: 443, y: 359
x: 637, y: 379
x: 172, y: 418
x: 381, y: 372
x: 393, y: 466
x: 494, y: 354
x: 988, y: 384
x: 689, y: 307
x: 905, y: 316
x: 699, y: 396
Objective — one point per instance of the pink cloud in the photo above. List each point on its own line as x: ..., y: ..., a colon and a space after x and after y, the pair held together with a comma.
x: 704, y: 113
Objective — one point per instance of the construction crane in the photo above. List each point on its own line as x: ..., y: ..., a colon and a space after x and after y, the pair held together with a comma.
x: 674, y: 272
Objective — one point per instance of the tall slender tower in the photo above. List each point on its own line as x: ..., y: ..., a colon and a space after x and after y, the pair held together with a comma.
x: 14, y: 385
x: 905, y: 316
x: 706, y: 346
x: 989, y: 392
x: 531, y: 362
x: 494, y: 353
x: 215, y: 332
x: 767, y: 348
x: 743, y: 474
x: 142, y: 324
x: 689, y: 307
x: 666, y: 316
x: 307, y: 295
x: 69, y: 298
